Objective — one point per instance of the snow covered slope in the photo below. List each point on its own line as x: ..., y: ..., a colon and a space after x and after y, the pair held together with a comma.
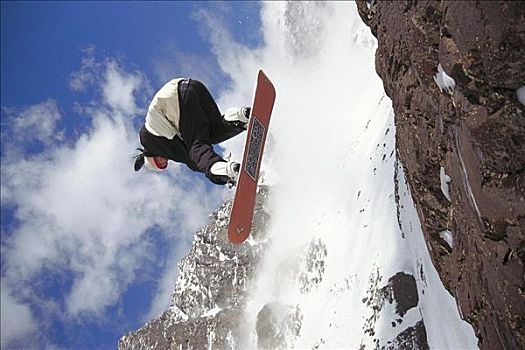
x: 345, y: 264
x: 338, y: 235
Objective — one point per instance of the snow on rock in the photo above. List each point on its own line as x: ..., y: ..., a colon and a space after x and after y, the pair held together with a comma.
x: 444, y: 179
x: 443, y: 81
x: 212, y: 312
x: 520, y: 93
x: 446, y: 235
x: 207, y: 305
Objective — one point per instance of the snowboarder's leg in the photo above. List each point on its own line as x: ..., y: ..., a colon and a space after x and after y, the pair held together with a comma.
x: 195, y: 114
x: 223, y: 130
x: 220, y: 129
x: 233, y: 122
x: 206, y: 101
x: 197, y: 111
x: 194, y: 128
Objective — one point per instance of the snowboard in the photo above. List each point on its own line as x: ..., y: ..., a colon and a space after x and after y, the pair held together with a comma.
x: 243, y: 205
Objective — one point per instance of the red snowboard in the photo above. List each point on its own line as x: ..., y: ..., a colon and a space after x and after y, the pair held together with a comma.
x: 242, y: 211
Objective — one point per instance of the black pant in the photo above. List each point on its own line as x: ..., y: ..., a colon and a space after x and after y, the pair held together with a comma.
x: 202, y: 125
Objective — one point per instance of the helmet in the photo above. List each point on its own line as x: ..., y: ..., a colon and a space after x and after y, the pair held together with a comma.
x: 156, y: 163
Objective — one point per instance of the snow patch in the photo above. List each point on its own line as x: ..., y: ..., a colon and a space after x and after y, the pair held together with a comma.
x: 446, y: 235
x: 521, y: 94
x: 212, y: 312
x: 443, y: 81
x: 445, y: 179
x: 177, y: 314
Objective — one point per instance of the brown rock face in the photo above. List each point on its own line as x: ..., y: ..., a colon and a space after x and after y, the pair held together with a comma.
x: 476, y: 133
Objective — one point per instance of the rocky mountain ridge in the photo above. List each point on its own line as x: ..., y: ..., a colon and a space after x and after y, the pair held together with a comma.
x: 474, y: 132
x: 210, y: 294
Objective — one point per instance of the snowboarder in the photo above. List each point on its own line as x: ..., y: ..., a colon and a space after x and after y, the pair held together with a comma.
x: 182, y: 124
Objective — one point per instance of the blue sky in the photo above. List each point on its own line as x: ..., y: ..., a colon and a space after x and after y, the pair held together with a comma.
x: 89, y: 249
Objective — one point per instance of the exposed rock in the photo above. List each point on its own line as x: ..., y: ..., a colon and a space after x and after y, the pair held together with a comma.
x: 476, y: 133
x: 411, y: 338
x: 404, y: 291
x: 221, y: 331
x: 400, y: 292
x: 276, y: 325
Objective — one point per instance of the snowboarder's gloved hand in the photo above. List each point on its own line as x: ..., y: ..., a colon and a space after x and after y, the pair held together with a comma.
x: 228, y: 169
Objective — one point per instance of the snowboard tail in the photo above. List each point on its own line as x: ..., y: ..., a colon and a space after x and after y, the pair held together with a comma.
x: 243, y: 205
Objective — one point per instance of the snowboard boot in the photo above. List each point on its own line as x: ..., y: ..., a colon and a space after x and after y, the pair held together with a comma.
x: 238, y: 116
x: 228, y: 168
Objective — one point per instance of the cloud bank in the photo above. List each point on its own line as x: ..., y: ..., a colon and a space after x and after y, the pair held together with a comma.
x: 82, y: 217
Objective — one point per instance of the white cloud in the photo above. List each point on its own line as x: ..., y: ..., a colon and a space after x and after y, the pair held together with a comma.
x: 30, y: 127
x: 38, y: 122
x: 82, y: 210
x: 89, y: 205
x: 17, y: 320
x: 87, y: 74
x: 119, y: 88
x: 172, y: 62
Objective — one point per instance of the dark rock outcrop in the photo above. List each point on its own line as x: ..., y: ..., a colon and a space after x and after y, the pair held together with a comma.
x: 475, y: 131
x: 411, y: 338
x: 401, y: 292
